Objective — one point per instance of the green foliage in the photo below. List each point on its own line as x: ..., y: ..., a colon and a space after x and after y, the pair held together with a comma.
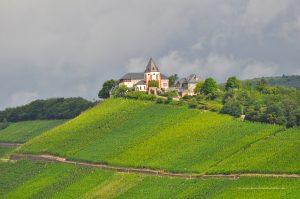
x: 54, y: 108
x: 209, y: 86
x: 170, y: 94
x: 232, y: 83
x: 198, y: 87
x: 193, y: 103
x: 4, y: 124
x: 247, y: 85
x: 213, y: 106
x: 276, y: 105
x: 232, y: 107
x: 139, y: 133
x: 160, y: 100
x: 173, y: 79
x: 24, y: 131
x: 121, y: 91
x: 140, y: 95
x: 106, y: 88
x: 168, y: 100
x: 292, y: 81
x: 261, y: 86
x: 153, y: 83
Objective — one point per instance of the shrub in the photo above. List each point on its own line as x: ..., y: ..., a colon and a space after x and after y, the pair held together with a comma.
x: 153, y: 83
x: 193, y: 103
x: 4, y: 124
x: 170, y: 94
x: 178, y: 103
x: 232, y: 107
x: 140, y: 95
x: 169, y: 100
x: 187, y: 97
x: 159, y: 101
x: 120, y: 91
x: 213, y: 107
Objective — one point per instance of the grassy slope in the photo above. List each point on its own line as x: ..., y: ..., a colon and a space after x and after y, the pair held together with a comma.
x: 23, y: 131
x: 277, y: 153
x: 144, y: 134
x: 37, y: 180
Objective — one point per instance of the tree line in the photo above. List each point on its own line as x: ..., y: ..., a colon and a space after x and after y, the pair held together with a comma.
x: 54, y: 108
x: 255, y: 102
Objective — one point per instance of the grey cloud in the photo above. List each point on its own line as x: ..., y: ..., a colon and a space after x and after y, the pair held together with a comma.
x: 69, y: 47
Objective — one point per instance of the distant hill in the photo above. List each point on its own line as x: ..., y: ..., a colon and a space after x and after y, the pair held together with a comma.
x: 284, y: 80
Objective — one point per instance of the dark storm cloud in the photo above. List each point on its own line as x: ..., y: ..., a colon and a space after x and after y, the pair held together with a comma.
x: 69, y: 47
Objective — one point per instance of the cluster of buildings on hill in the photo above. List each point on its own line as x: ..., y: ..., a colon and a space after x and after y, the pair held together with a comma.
x: 140, y: 81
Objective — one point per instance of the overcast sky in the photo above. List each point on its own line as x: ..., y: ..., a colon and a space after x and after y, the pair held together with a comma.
x: 53, y: 48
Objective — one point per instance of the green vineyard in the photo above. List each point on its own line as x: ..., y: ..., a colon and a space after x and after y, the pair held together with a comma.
x: 24, y: 131
x: 144, y: 134
x: 38, y: 180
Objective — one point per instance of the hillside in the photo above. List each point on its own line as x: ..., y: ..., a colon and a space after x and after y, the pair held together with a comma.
x: 175, y: 138
x: 139, y: 134
x: 292, y: 81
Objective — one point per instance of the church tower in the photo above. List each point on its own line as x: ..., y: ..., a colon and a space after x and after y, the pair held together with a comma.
x: 152, y: 73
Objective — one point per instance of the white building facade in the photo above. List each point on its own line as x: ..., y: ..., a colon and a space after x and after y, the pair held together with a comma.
x: 140, y: 81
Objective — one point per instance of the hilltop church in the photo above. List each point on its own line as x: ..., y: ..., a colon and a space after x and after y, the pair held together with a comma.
x: 140, y: 81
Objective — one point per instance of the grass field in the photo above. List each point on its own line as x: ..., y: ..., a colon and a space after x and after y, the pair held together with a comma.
x: 24, y: 131
x: 26, y: 179
x: 144, y: 134
x: 280, y: 153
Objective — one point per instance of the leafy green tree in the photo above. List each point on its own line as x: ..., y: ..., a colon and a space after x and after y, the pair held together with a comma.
x: 244, y: 99
x: 232, y: 107
x: 228, y: 95
x: 232, y: 83
x: 275, y: 114
x: 153, y: 83
x: 261, y: 86
x: 106, y: 88
x: 173, y: 79
x: 120, y: 91
x: 209, y: 86
x: 198, y: 87
x: 247, y: 85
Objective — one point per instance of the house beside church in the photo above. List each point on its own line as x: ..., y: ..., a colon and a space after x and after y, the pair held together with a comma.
x: 140, y: 81
x: 186, y: 86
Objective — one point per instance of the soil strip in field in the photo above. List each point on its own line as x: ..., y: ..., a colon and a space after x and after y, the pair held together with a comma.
x: 161, y: 173
x: 10, y: 145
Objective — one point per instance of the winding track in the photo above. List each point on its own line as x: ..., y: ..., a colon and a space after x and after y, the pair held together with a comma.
x: 145, y: 171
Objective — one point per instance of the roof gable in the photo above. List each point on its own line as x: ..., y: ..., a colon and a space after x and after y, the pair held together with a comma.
x: 151, y: 66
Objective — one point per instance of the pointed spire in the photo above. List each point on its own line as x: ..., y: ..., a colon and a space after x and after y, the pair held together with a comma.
x: 151, y: 66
